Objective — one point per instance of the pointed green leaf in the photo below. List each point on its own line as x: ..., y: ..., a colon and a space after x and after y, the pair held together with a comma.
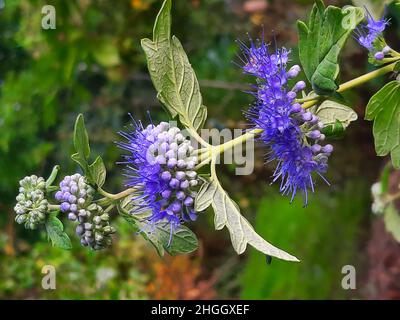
x: 52, y: 177
x: 384, y: 110
x: 321, y: 41
x: 81, y: 143
x: 183, y: 239
x: 55, y: 232
x: 205, y: 196
x: 97, y: 172
x: 172, y: 74
x: 227, y: 214
x: 79, y: 160
x: 81, y: 140
x: 138, y: 225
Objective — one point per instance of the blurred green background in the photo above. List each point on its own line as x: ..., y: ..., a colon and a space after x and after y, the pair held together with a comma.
x: 93, y: 63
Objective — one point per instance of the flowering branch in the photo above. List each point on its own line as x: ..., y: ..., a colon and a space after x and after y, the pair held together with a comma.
x: 164, y: 189
x: 206, y: 154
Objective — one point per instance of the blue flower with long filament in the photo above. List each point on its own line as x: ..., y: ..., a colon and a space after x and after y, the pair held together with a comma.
x: 292, y: 134
x: 160, y: 166
x: 369, y: 34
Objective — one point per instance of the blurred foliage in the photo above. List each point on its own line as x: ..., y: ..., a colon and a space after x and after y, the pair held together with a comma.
x: 80, y: 273
x: 325, y: 237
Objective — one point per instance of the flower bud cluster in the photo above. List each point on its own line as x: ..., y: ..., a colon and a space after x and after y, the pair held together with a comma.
x: 31, y: 207
x: 173, y: 153
x: 75, y: 194
x: 76, y: 197
x: 94, y: 228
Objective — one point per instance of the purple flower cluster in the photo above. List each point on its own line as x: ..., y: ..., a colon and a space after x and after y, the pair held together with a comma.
x: 160, y: 165
x: 75, y: 194
x: 292, y: 133
x: 76, y: 197
x: 370, y: 36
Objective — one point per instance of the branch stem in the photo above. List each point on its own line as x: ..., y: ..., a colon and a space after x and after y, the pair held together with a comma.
x: 210, y: 152
x: 117, y: 196
x: 355, y: 82
x: 53, y: 207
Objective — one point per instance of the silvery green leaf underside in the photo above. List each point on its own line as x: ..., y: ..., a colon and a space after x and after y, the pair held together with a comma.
x: 227, y: 214
x: 172, y: 74
x: 329, y: 112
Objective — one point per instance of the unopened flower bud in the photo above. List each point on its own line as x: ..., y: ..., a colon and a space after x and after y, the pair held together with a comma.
x: 31, y: 207
x: 379, y: 55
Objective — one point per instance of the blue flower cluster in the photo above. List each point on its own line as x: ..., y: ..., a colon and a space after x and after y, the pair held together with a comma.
x: 292, y: 133
x: 74, y: 195
x: 76, y: 198
x: 160, y: 165
x: 370, y: 36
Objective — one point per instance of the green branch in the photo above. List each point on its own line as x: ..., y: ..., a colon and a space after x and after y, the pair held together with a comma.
x: 354, y: 83
x: 118, y: 196
x: 207, y: 154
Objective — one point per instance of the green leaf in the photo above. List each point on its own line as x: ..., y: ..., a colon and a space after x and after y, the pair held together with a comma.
x: 81, y: 140
x: 227, y: 214
x: 172, y: 74
x: 137, y: 226
x: 321, y: 41
x: 384, y: 110
x: 81, y: 143
x: 79, y: 160
x: 52, y: 177
x: 331, y: 112
x: 392, y: 221
x: 183, y: 239
x: 55, y: 232
x: 97, y: 172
